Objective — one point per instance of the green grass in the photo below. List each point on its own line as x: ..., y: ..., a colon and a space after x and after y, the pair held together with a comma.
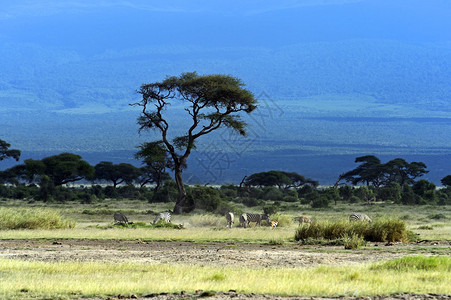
x: 416, y: 263
x: 32, y: 218
x: 28, y: 279
x: 381, y: 230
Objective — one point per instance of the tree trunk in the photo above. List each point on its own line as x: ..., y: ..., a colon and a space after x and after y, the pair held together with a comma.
x: 183, y: 204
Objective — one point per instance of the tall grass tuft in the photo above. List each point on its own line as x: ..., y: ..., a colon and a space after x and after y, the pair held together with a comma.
x: 284, y: 221
x: 387, y: 230
x: 415, y: 263
x: 32, y: 218
x: 207, y: 220
x: 382, y: 230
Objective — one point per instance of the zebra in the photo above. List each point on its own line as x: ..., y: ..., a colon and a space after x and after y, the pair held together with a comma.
x: 304, y: 219
x: 120, y: 218
x: 257, y: 218
x: 229, y: 217
x: 165, y: 216
x: 359, y: 217
x: 243, y: 220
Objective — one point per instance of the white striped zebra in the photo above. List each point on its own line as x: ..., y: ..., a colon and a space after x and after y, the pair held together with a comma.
x: 359, y: 217
x: 120, y: 218
x: 229, y: 217
x: 165, y: 216
x: 243, y: 220
x: 257, y: 218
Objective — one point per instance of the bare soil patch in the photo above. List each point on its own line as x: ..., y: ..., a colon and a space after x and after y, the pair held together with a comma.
x: 211, y: 253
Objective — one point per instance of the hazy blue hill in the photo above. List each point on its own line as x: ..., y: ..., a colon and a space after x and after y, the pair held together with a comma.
x: 391, y: 72
x: 335, y: 80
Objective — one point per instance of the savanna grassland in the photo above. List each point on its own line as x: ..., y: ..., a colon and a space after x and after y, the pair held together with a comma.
x: 75, y: 251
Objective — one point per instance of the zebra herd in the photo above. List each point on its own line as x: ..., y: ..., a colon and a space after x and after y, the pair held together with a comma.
x: 245, y: 219
x: 120, y: 218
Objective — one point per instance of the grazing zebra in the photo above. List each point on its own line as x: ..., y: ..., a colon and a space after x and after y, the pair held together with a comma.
x: 257, y: 218
x: 165, y: 216
x: 243, y: 220
x: 359, y: 217
x: 120, y: 218
x: 229, y: 217
x: 274, y: 224
x: 304, y: 219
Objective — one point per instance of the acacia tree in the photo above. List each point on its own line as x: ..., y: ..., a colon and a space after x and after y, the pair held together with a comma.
x: 5, y: 152
x: 210, y: 101
x: 156, y: 160
x: 116, y: 173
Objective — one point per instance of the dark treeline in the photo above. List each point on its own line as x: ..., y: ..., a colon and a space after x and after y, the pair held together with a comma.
x: 53, y: 179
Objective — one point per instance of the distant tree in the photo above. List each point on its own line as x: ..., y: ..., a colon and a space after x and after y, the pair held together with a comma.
x: 156, y: 161
x: 400, y: 171
x: 283, y: 180
x: 369, y: 172
x: 426, y: 190
x: 66, y: 167
x: 210, y: 101
x: 270, y: 178
x: 373, y: 172
x: 299, y: 180
x: 446, y: 181
x: 5, y: 152
x: 116, y: 173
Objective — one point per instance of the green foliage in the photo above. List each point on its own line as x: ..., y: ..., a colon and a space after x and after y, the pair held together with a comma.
x: 251, y: 202
x: 271, y: 193
x: 416, y: 263
x: 206, y: 198
x: 382, y: 230
x: 167, y: 193
x: 5, y: 152
x: 320, y: 202
x: 372, y: 171
x: 446, y: 181
x: 353, y: 241
x: 19, y: 218
x: 284, y: 220
x: 391, y: 192
x: 270, y: 209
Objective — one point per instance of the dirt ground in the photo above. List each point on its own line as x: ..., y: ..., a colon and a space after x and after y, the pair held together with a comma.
x: 212, y: 253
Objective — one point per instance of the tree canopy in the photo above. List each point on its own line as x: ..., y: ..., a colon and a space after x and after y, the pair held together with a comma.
x: 373, y: 172
x: 281, y: 179
x: 210, y: 102
x: 5, y: 152
x: 116, y: 173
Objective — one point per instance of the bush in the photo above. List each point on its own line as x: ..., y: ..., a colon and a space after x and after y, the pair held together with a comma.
x: 251, y: 202
x: 204, y: 197
x: 353, y: 241
x: 271, y: 193
x: 290, y: 198
x: 270, y: 209
x: 19, y: 218
x: 228, y: 191
x: 320, y: 202
x: 382, y: 230
x: 224, y: 207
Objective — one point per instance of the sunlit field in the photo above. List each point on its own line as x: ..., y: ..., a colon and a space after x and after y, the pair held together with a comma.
x: 36, y: 279
x: 74, y: 279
